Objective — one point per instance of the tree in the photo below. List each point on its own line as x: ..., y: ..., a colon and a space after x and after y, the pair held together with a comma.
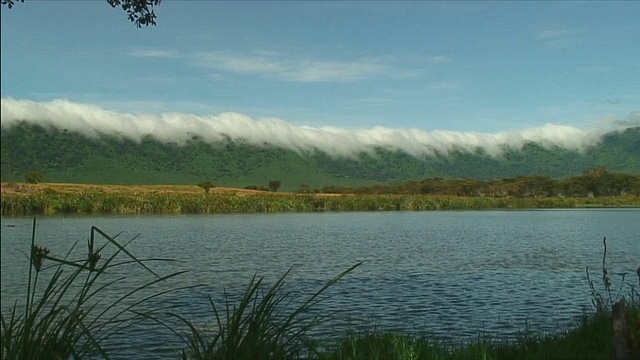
x: 596, y: 181
x: 206, y: 186
x: 274, y: 185
x: 535, y: 185
x: 140, y: 12
x: 33, y: 177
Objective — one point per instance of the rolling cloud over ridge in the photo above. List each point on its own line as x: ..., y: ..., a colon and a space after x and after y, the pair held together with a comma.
x: 179, y: 127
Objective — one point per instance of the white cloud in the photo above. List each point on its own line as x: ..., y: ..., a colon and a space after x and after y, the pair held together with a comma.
x: 154, y: 53
x: 295, y: 68
x: 376, y: 101
x: 555, y: 33
x: 239, y: 64
x: 289, y: 69
x: 178, y: 127
x: 435, y: 59
x: 558, y: 37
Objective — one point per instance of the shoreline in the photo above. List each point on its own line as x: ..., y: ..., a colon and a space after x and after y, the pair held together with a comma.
x: 91, y: 199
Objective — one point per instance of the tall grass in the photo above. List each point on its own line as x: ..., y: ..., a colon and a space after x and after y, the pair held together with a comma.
x: 66, y: 317
x: 590, y: 340
x: 261, y: 325
x: 193, y: 203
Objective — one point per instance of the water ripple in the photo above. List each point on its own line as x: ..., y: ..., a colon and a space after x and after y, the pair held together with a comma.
x: 452, y: 275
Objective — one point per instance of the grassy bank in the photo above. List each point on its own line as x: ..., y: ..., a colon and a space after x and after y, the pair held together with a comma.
x: 63, y: 316
x: 590, y: 340
x: 50, y: 199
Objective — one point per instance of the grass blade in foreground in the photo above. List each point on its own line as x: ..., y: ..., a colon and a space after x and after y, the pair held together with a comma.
x: 60, y: 320
x: 258, y: 327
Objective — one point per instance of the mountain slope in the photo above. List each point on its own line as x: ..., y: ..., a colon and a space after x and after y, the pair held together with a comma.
x: 64, y: 156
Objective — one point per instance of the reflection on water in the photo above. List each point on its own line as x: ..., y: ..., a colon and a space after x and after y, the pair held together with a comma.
x: 450, y: 274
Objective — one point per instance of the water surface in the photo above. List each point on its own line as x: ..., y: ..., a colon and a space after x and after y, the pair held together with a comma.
x: 450, y: 273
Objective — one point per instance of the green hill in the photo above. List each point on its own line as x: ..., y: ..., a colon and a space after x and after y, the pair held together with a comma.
x: 63, y: 156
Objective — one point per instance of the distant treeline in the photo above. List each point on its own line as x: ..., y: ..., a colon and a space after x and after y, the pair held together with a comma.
x: 595, y: 182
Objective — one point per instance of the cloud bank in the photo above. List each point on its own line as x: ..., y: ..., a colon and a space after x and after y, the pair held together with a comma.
x: 178, y: 127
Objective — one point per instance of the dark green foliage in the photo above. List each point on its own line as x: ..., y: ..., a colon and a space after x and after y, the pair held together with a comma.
x: 140, y: 12
x: 70, y: 157
x: 33, y: 177
x: 206, y: 186
x: 591, y: 340
x: 11, y: 3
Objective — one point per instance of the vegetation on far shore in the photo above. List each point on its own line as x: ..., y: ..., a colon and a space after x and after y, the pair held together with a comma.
x: 50, y: 199
x: 63, y: 315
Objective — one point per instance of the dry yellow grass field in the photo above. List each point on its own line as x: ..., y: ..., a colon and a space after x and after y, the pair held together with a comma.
x: 76, y: 188
x: 17, y: 188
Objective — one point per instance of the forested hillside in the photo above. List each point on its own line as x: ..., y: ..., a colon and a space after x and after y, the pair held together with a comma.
x: 63, y: 156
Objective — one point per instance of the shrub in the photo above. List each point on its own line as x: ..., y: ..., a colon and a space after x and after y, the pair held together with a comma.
x: 33, y: 177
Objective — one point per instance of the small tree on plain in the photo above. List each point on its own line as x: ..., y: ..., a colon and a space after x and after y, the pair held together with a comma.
x: 33, y: 177
x: 206, y: 186
x: 274, y: 185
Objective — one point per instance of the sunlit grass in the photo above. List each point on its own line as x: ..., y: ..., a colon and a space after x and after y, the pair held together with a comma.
x: 52, y: 198
x: 149, y: 202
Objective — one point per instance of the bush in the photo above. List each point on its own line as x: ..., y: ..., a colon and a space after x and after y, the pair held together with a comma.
x: 33, y: 177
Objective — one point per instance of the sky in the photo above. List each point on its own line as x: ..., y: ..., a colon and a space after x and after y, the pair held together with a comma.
x: 460, y: 67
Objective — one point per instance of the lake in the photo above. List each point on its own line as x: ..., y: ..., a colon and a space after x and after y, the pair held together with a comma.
x: 452, y: 274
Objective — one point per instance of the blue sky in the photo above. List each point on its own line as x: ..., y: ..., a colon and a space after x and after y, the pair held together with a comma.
x: 459, y: 66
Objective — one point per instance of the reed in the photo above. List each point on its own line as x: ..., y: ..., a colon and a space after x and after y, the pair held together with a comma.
x: 65, y: 317
x: 260, y: 326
